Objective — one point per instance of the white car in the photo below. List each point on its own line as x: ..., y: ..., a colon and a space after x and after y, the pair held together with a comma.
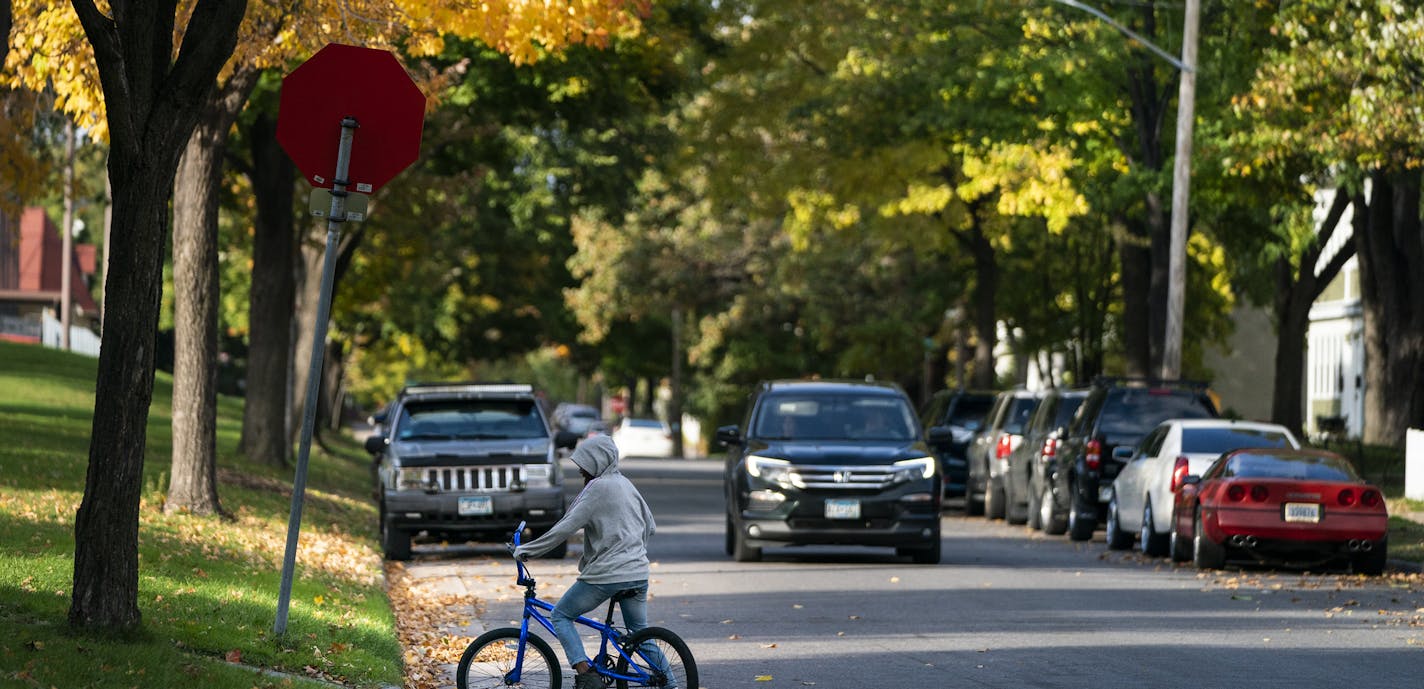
x: 1143, y: 491
x: 643, y: 438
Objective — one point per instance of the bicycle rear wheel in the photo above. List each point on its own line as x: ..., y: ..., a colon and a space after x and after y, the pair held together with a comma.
x: 490, y: 659
x: 662, y: 655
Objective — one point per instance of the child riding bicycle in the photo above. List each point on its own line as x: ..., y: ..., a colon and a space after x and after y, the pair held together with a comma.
x: 616, y: 525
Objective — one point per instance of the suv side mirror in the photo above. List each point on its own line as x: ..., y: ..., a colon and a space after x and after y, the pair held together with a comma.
x: 375, y: 444
x: 1122, y: 453
x: 729, y: 435
x: 940, y: 436
x: 566, y: 439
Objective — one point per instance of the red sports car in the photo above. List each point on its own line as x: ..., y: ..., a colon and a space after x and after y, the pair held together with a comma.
x: 1295, y: 507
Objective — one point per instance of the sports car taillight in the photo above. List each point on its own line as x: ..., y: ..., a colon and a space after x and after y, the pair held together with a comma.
x: 1093, y: 454
x: 1346, y: 497
x: 1259, y: 493
x: 1179, y: 472
x: 1236, y: 493
x: 1370, y: 498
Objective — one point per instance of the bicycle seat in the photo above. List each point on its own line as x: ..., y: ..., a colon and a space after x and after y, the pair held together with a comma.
x: 625, y: 594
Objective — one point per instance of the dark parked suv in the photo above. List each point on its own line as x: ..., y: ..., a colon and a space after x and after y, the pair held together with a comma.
x: 830, y: 463
x: 1117, y: 412
x: 953, y: 417
x: 458, y: 462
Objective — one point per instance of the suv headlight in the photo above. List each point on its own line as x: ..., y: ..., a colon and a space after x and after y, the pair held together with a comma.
x: 410, y: 479
x: 907, y: 470
x: 776, y: 471
x: 537, y: 475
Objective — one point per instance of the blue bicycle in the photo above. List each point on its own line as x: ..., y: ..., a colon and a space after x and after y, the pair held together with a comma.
x: 514, y: 657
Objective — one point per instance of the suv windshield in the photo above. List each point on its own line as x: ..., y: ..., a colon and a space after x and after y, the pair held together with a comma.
x: 1136, y: 412
x: 1020, y: 410
x: 970, y: 412
x: 835, y: 417
x: 470, y: 420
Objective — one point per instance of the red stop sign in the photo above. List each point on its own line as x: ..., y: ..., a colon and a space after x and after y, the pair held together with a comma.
x: 366, y: 84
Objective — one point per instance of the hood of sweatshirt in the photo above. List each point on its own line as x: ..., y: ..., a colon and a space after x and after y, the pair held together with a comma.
x: 597, y: 455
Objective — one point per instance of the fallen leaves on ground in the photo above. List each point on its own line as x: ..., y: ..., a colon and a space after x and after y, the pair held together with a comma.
x: 424, y: 621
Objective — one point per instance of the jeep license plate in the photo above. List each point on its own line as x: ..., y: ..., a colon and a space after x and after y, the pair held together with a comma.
x: 842, y: 509
x: 1308, y: 512
x: 478, y: 505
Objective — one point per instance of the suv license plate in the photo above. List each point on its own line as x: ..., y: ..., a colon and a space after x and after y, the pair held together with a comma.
x: 842, y: 509
x: 1302, y: 512
x: 477, y: 505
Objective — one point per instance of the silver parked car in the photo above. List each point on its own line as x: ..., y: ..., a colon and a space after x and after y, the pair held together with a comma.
x: 1142, y: 495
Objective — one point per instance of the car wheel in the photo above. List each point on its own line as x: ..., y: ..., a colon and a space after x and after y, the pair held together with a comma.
x: 1373, y: 562
x: 1117, y: 538
x: 1080, y: 527
x: 994, y: 499
x: 1053, y: 523
x: 1015, y: 510
x: 741, y: 552
x: 395, y: 542
x: 1178, y: 545
x: 1206, y: 553
x: 1034, y: 512
x: 731, y: 536
x: 1153, y: 544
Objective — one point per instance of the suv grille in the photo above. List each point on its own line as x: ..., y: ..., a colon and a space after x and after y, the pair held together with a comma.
x: 845, y: 478
x: 486, y: 479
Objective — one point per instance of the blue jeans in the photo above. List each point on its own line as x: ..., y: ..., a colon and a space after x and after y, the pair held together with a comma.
x: 581, y: 598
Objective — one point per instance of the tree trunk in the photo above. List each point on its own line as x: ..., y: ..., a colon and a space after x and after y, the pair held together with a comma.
x: 1391, y: 249
x: 984, y: 309
x: 196, y: 193
x: 153, y: 103
x: 1295, y: 294
x: 269, y: 353
x: 1136, y: 264
x: 328, y: 409
x: 308, y: 292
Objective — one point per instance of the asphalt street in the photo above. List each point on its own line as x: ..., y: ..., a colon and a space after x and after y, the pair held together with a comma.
x: 1006, y: 607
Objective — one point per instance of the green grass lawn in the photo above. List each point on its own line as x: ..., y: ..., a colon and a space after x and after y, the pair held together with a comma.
x: 207, y: 586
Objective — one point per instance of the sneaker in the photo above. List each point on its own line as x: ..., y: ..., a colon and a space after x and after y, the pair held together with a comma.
x: 588, y: 680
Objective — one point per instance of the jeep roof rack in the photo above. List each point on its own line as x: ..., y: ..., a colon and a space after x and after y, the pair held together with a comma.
x: 492, y: 388
x: 1151, y: 381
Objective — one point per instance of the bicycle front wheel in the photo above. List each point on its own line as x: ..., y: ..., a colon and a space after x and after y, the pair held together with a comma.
x: 491, y: 660
x: 662, y: 656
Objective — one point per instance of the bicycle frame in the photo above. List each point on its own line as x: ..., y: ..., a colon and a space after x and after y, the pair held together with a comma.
x: 534, y: 608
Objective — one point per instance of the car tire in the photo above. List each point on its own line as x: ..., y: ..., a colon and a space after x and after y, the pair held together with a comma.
x: 1117, y: 538
x: 1015, y: 510
x: 1153, y: 544
x: 1373, y: 562
x: 741, y: 552
x: 395, y: 542
x: 1054, y: 524
x: 1033, y: 514
x: 1206, y: 553
x: 731, y: 543
x: 1178, y: 547
x: 994, y: 499
x: 973, y: 507
x: 1080, y: 527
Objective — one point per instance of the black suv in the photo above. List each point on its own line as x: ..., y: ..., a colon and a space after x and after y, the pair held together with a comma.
x: 989, y: 451
x: 830, y: 463
x: 458, y: 462
x: 950, y: 421
x: 1117, y: 412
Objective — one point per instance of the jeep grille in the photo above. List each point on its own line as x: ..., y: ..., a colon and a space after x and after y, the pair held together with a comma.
x: 478, y: 479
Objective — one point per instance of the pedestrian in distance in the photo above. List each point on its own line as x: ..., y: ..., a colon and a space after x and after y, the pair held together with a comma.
x: 616, y: 525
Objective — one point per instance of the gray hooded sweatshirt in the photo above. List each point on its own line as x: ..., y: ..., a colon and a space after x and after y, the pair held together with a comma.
x: 616, y: 522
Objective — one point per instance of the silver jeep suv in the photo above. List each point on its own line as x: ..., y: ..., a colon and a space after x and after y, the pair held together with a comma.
x: 466, y: 462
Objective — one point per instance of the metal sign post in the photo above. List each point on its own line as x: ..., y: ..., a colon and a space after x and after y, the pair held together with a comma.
x: 334, y: 218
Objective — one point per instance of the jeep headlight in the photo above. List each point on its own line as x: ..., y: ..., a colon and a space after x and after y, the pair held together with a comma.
x: 776, y: 471
x: 907, y: 470
x: 538, y: 475
x: 410, y: 479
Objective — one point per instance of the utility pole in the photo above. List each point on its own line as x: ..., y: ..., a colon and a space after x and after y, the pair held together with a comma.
x: 1181, y: 188
x: 1181, y: 173
x: 66, y: 240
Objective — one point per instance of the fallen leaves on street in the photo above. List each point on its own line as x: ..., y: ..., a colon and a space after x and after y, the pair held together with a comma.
x: 424, y: 621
